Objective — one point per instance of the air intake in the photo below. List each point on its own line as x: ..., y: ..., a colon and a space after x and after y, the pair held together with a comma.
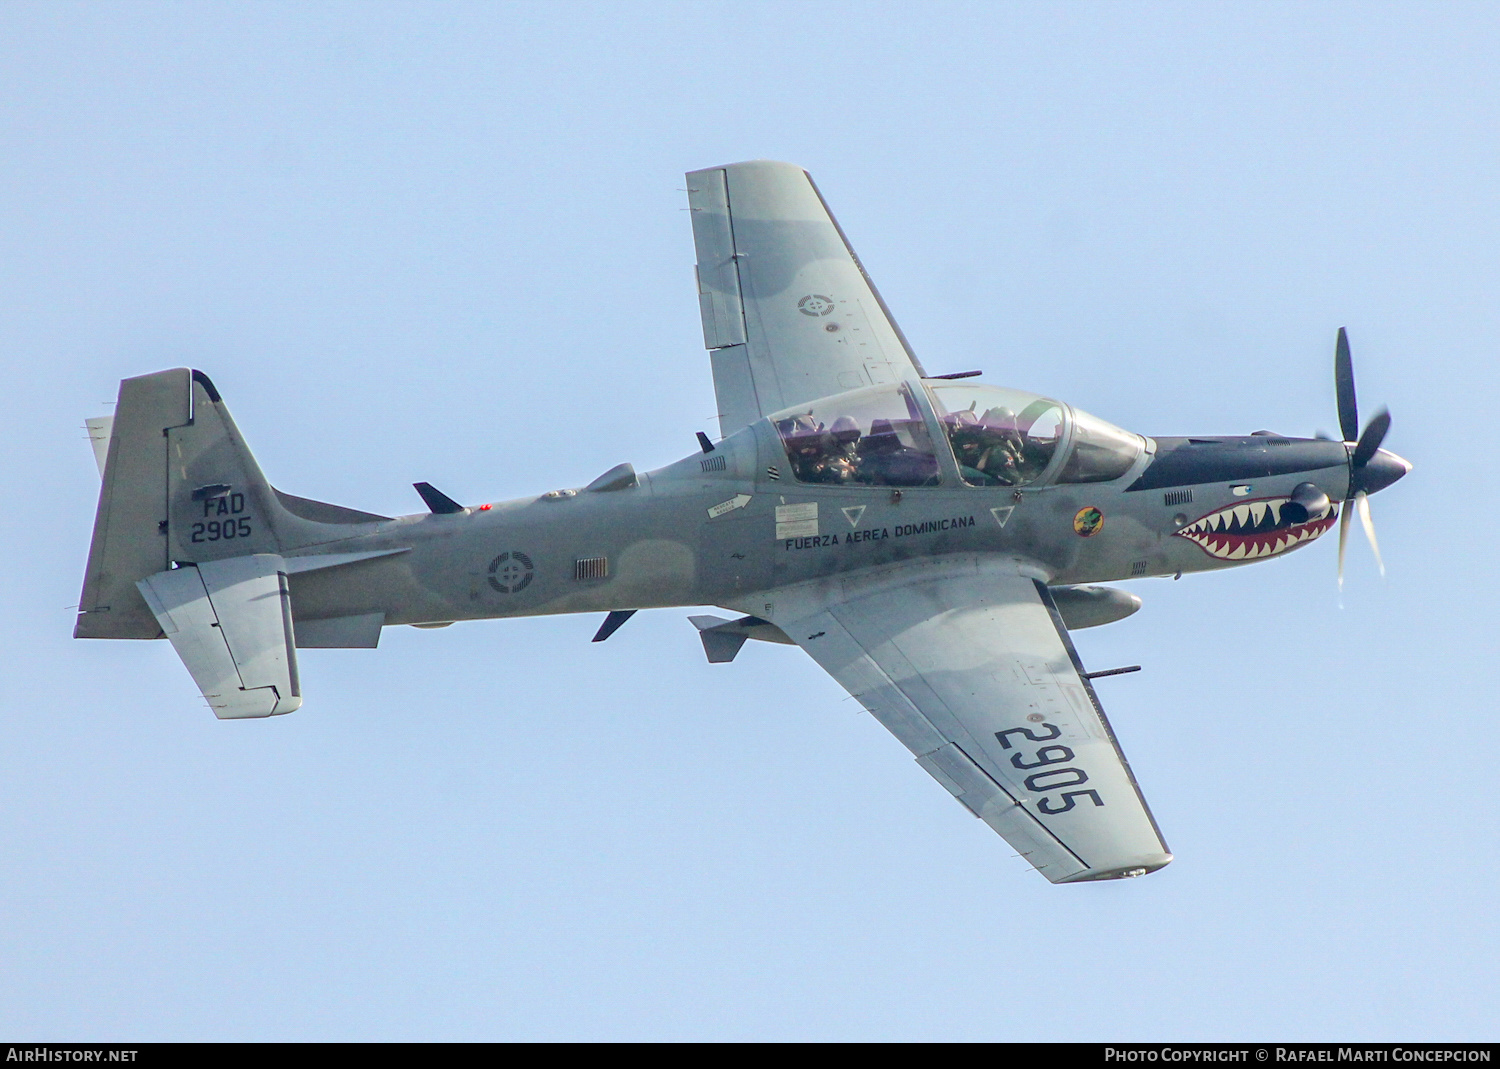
x: 1177, y: 497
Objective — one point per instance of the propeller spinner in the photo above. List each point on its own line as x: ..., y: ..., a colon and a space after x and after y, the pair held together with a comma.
x: 1371, y: 468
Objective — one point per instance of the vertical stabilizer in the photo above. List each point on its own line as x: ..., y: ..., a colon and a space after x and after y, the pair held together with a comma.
x: 219, y: 504
x: 130, y: 527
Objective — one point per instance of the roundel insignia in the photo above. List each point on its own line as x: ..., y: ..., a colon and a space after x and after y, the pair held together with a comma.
x: 510, y: 572
x: 815, y: 304
x: 1089, y: 521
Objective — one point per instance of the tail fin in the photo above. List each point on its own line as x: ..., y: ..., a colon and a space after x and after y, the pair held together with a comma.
x: 180, y: 485
x: 130, y: 527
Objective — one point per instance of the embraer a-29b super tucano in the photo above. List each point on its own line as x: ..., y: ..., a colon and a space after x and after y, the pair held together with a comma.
x: 928, y: 540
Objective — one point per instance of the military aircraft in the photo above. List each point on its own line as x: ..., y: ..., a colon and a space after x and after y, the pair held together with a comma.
x: 930, y: 541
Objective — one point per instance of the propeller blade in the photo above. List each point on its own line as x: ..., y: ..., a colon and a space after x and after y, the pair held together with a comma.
x: 1364, y: 476
x: 1370, y: 440
x: 1343, y: 541
x: 1363, y: 501
x: 1343, y: 384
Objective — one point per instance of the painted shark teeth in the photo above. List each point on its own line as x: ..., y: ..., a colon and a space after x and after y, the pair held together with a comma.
x: 1252, y: 529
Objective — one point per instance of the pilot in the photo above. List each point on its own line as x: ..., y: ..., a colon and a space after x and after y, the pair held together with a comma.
x: 997, y: 459
x: 815, y: 453
x: 801, y: 438
x: 969, y: 440
x: 845, y: 433
x: 1037, y: 449
x: 1001, y: 422
x: 842, y: 450
x: 808, y: 461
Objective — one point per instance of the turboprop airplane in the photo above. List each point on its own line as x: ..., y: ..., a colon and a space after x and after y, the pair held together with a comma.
x: 929, y: 540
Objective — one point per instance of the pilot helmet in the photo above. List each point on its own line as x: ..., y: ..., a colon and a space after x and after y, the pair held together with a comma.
x: 844, y: 430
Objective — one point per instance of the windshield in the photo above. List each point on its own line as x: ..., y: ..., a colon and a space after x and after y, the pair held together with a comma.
x: 999, y: 437
x: 871, y: 437
x: 1101, y: 451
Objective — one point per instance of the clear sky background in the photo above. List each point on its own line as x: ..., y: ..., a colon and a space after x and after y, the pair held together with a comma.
x: 447, y: 242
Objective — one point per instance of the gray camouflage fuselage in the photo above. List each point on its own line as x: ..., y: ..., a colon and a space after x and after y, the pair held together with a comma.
x: 663, y: 549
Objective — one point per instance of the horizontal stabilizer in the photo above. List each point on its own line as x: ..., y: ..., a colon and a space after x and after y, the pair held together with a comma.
x: 359, y: 632
x: 100, y: 428
x: 315, y: 562
x: 231, y: 623
x: 723, y: 638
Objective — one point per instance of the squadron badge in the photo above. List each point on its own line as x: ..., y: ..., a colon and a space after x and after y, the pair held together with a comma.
x: 1089, y: 521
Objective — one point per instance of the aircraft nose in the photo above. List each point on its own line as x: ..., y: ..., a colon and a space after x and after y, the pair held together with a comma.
x: 1382, y: 469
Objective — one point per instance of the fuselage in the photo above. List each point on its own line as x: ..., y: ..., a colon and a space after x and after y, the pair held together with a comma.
x: 724, y: 526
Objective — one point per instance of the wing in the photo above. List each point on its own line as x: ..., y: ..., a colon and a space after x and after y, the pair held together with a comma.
x: 788, y: 311
x: 970, y: 666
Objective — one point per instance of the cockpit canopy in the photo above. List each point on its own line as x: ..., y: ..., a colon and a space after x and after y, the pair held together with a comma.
x: 877, y: 436
x: 999, y: 437
x: 882, y: 436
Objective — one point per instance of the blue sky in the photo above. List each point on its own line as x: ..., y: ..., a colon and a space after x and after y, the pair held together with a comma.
x: 446, y: 242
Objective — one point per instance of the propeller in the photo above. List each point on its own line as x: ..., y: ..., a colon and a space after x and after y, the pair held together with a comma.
x: 1370, y: 467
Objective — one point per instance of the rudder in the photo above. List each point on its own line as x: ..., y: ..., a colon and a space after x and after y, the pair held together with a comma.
x: 130, y: 527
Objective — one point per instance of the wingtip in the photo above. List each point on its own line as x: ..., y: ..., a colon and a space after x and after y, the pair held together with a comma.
x: 742, y: 165
x: 1141, y: 867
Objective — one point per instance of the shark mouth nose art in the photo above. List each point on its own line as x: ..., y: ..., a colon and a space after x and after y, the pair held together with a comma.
x: 1253, y: 529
